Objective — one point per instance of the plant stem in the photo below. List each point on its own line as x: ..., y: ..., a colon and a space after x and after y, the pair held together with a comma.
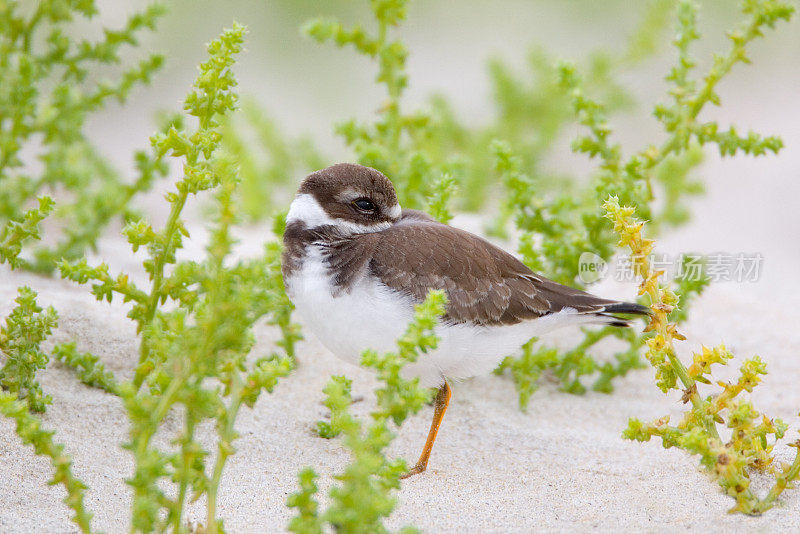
x: 29, y: 27
x: 780, y: 484
x: 227, y: 434
x: 688, y: 384
x: 158, y: 276
x: 186, y: 460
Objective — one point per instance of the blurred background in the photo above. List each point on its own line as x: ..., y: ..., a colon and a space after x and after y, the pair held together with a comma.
x: 750, y: 205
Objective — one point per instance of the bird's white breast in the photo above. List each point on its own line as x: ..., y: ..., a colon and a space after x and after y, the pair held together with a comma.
x: 369, y: 315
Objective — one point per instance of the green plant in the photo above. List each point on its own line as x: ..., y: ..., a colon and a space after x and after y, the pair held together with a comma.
x: 25, y: 329
x: 29, y: 429
x: 557, y: 231
x: 194, y: 352
x: 398, y: 142
x: 208, y: 334
x: 442, y: 192
x: 554, y: 236
x: 16, y: 232
x: 88, y: 367
x: 750, y: 446
x: 47, y: 94
x: 269, y: 163
x: 338, y: 401
x: 364, y: 496
x: 531, y: 112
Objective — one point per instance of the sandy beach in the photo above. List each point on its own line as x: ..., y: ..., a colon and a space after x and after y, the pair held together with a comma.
x: 560, y: 467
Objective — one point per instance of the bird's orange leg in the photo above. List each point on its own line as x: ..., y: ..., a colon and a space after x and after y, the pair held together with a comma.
x: 439, y: 407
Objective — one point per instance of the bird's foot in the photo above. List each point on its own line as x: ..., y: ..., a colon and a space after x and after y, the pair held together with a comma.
x: 417, y: 469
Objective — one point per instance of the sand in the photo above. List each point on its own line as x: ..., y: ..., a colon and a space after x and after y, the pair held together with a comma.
x: 560, y: 467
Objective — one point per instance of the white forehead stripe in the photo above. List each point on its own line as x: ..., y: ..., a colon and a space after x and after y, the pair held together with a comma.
x: 307, y: 210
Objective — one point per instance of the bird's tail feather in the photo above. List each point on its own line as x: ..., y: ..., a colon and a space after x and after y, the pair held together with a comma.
x: 627, y: 307
x: 606, y: 315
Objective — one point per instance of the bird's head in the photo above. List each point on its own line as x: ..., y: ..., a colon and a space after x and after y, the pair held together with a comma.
x: 352, y: 198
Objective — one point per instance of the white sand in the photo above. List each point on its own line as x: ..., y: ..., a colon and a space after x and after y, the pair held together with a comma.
x: 562, y: 466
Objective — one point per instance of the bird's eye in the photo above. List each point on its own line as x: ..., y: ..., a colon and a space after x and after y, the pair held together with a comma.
x: 364, y: 204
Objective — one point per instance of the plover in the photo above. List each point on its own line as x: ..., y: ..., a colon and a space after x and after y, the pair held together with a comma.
x: 355, y: 264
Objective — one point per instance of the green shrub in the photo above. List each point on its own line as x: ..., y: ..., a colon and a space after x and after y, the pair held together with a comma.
x: 49, y: 90
x: 25, y: 329
x: 555, y: 232
x: 195, y: 323
x: 750, y: 446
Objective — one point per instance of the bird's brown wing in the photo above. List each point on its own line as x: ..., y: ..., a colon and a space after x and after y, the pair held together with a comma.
x: 484, y: 284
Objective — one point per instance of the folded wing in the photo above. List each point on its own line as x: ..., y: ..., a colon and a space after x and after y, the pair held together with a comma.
x: 484, y: 284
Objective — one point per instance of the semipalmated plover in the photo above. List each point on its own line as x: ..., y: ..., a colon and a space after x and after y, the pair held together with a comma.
x: 355, y: 264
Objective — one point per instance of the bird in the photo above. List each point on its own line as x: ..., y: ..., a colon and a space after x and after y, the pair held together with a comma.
x: 355, y: 264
